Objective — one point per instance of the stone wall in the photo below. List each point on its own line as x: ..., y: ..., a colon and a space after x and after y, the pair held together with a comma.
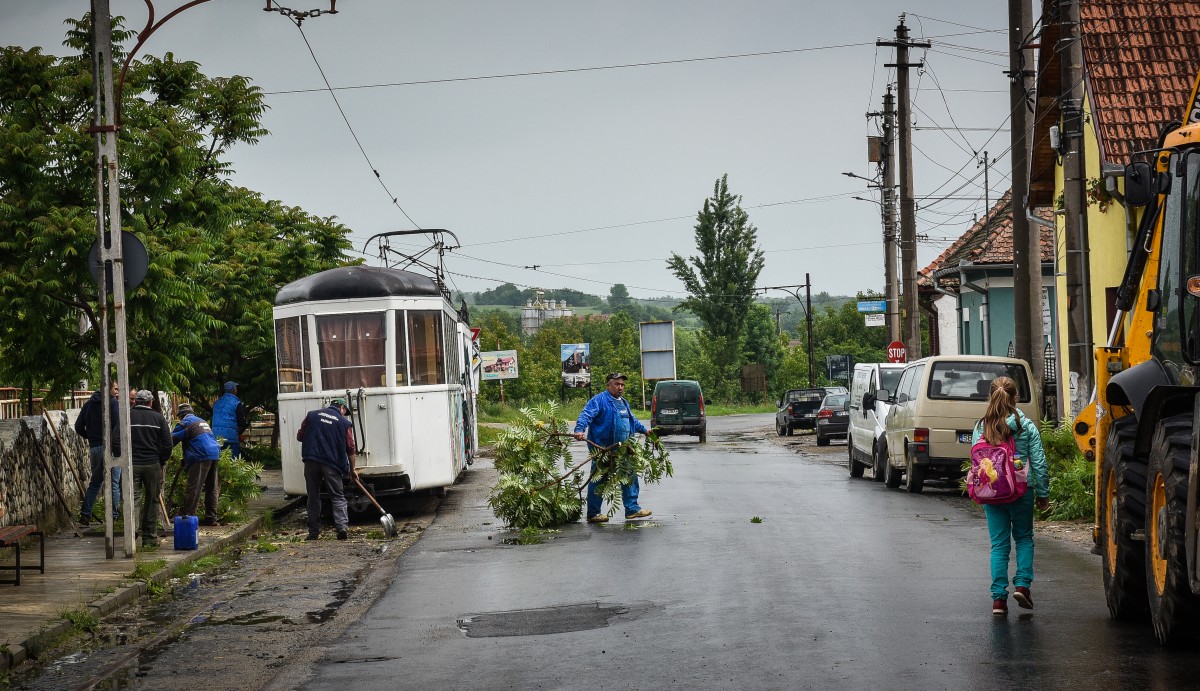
x: 28, y: 479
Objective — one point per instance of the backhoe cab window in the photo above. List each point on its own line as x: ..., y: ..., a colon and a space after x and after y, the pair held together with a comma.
x: 1190, y: 262
x: 1169, y: 319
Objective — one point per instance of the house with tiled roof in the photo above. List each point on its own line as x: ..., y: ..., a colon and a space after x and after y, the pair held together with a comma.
x: 969, y: 286
x: 1140, y: 58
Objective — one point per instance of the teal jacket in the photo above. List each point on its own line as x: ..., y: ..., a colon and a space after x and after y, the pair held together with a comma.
x: 1029, y: 446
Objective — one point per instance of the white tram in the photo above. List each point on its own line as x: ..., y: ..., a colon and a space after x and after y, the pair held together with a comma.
x: 391, y: 344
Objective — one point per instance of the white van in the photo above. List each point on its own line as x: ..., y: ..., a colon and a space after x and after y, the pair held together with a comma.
x: 866, y: 422
x: 934, y: 409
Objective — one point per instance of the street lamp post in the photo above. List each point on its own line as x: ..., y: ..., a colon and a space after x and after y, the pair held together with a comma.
x: 806, y: 304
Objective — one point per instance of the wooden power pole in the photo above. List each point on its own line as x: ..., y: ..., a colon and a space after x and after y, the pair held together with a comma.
x: 910, y: 314
x: 1079, y: 312
x: 1027, y: 249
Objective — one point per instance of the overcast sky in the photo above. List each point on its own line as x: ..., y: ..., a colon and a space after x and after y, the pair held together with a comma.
x: 596, y: 175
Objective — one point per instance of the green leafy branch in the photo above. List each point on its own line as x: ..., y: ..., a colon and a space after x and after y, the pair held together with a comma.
x: 532, y: 454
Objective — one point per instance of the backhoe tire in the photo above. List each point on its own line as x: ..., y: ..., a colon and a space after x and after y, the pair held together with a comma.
x: 1121, y: 512
x: 1174, y: 609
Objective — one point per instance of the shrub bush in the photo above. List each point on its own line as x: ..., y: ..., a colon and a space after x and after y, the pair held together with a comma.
x: 1072, y: 477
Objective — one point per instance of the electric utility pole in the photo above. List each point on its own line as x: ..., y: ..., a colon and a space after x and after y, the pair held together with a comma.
x: 888, y: 164
x: 1079, y: 311
x: 1027, y: 247
x: 910, y: 313
x: 108, y: 230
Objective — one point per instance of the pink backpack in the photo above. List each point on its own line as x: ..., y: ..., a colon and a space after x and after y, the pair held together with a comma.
x: 997, y: 474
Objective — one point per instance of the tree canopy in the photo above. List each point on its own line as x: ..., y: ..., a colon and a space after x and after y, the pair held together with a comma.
x: 720, y: 280
x: 218, y: 252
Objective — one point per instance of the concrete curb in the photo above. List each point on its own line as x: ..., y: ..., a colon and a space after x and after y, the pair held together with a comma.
x: 122, y: 596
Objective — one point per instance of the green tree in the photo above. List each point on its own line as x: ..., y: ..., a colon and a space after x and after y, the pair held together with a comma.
x: 618, y: 296
x: 218, y: 253
x: 720, y: 280
x: 763, y: 345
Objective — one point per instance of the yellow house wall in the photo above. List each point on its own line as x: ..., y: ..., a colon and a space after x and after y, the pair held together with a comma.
x: 1108, y: 252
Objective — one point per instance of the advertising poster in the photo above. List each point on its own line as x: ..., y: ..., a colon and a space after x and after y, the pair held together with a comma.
x: 576, y: 365
x: 499, y: 364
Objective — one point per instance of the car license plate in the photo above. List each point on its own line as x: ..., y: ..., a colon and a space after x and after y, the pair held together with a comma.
x: 964, y: 437
x: 810, y: 415
x: 670, y: 411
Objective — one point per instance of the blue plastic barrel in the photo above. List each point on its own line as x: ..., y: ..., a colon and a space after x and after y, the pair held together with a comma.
x: 186, y: 529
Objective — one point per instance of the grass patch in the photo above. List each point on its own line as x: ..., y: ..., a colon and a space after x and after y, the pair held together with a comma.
x: 82, y: 618
x: 489, y: 435
x: 267, y: 522
x: 718, y: 409
x: 143, y: 570
x: 756, y: 519
x: 264, y: 545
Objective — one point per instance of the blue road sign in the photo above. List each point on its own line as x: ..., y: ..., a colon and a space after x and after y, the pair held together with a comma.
x: 872, y: 305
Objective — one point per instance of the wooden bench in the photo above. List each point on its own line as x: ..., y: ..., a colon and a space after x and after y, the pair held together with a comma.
x: 10, y: 536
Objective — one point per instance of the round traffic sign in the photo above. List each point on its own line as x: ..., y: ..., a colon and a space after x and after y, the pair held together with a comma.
x: 896, y: 352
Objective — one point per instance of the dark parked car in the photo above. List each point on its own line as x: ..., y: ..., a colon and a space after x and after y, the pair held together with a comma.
x: 833, y: 420
x: 678, y: 408
x: 798, y: 410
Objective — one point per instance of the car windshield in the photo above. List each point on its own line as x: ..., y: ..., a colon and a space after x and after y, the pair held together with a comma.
x: 971, y: 381
x: 889, y: 378
x: 835, y: 400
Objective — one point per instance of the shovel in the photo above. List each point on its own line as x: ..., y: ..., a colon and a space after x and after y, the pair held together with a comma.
x: 386, y: 520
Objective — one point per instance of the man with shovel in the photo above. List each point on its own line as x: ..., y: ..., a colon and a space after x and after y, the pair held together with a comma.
x: 327, y: 447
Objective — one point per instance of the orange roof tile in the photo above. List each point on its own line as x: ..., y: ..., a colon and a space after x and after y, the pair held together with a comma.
x: 988, y: 241
x: 1140, y: 60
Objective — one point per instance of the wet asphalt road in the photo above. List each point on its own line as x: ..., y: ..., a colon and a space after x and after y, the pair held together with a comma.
x: 844, y: 584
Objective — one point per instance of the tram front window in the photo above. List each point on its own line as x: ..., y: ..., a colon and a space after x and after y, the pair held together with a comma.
x: 352, y: 350
x: 425, y: 348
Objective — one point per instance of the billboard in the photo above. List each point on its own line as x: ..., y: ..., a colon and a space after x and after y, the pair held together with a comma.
x: 499, y: 364
x: 576, y: 365
x: 658, y: 350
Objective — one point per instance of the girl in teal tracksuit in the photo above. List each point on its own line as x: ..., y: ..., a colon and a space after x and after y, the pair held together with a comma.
x: 1013, y: 522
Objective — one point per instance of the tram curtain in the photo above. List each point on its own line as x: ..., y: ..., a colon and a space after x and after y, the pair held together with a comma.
x: 291, y: 344
x: 352, y: 350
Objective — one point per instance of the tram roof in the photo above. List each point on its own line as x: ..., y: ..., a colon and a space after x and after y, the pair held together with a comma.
x: 349, y: 282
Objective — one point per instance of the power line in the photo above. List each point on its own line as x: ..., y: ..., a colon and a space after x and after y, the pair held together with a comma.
x: 395, y: 200
x: 573, y: 70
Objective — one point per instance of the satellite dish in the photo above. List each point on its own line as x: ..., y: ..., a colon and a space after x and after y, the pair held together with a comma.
x: 133, y: 257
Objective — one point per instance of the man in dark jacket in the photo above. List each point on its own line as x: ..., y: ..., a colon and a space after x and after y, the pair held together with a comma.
x: 327, y: 446
x: 201, y: 454
x: 90, y: 425
x: 150, y: 439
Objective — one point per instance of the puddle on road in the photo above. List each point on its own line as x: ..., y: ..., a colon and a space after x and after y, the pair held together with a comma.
x: 546, y: 620
x: 340, y: 596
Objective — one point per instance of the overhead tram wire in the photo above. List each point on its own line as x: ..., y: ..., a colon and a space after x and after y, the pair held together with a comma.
x: 329, y: 88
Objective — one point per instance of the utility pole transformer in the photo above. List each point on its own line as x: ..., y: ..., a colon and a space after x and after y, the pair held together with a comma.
x: 1079, y: 312
x: 910, y: 314
x: 1027, y: 248
x: 108, y: 230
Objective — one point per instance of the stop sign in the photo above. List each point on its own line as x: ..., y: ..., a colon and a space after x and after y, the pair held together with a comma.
x: 896, y: 352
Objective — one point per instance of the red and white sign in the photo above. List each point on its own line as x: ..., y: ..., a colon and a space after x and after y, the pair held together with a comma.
x: 896, y: 352
x: 475, y: 333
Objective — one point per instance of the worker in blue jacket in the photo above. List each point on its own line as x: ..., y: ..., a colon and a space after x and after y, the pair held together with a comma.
x: 230, y: 419
x: 327, y: 448
x: 201, y: 456
x: 609, y: 420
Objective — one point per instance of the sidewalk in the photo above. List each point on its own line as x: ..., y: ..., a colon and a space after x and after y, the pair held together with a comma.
x: 78, y: 574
